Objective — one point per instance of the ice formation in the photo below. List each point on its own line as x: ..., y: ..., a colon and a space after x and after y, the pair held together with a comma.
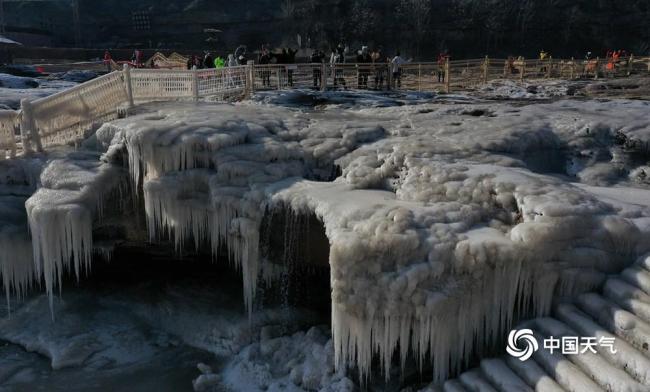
x: 619, y: 312
x: 17, y: 183
x: 300, y: 362
x: 62, y: 211
x: 439, y: 207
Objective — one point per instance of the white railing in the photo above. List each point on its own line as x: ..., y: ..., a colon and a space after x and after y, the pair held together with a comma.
x: 150, y: 85
x: 8, y: 127
x: 231, y: 80
x: 161, y: 85
x: 66, y: 117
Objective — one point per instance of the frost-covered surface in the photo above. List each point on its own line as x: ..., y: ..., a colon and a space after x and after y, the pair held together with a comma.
x: 76, y: 76
x: 10, y: 96
x: 445, y: 212
x: 20, y: 82
x: 352, y: 99
x: 535, y: 89
x: 300, y: 362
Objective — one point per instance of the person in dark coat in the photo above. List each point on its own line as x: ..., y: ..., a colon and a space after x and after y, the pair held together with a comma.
x: 265, y: 59
x: 208, y: 61
x: 289, y: 57
x: 317, y: 58
x: 338, y: 57
x: 363, y: 59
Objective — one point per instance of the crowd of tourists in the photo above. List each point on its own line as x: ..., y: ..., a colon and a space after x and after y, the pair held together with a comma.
x: 373, y: 67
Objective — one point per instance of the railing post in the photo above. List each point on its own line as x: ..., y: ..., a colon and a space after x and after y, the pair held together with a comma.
x: 630, y: 65
x: 251, y: 79
x: 573, y: 68
x: 486, y: 65
x: 447, y: 76
x: 419, y: 77
x: 129, y: 88
x: 323, y: 77
x: 28, y: 132
x: 596, y: 68
x: 195, y: 84
x: 277, y: 72
x: 390, y: 77
x: 523, y: 70
x: 549, y: 67
x: 358, y: 77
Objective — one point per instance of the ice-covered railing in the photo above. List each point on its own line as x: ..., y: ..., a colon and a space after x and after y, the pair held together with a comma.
x: 160, y: 85
x: 65, y: 117
x: 229, y: 80
x: 8, y: 127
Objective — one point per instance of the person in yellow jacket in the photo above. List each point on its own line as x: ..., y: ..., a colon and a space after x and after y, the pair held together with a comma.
x: 543, y: 55
x: 219, y: 62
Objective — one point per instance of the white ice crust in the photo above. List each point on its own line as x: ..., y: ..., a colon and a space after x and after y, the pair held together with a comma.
x: 439, y: 230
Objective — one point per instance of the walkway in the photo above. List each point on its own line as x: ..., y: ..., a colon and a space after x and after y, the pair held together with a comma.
x: 66, y: 117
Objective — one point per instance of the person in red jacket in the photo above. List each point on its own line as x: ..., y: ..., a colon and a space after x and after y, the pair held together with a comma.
x: 108, y: 59
x: 442, y: 61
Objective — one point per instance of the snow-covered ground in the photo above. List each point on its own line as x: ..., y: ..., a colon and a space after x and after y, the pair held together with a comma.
x: 541, y: 89
x: 15, y: 88
x: 446, y: 210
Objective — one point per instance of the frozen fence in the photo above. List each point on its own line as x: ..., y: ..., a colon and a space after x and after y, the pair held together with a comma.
x: 164, y: 85
x: 161, y: 85
x: 8, y: 128
x: 66, y: 117
x: 222, y: 81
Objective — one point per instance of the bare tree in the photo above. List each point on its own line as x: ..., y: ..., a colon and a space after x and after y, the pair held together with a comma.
x: 416, y: 14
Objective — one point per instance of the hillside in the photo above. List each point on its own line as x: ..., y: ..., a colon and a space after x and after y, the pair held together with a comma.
x: 420, y: 28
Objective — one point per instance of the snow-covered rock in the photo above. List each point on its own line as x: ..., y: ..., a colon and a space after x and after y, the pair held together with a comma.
x: 77, y: 76
x: 17, y: 82
x: 510, y: 89
x: 300, y: 362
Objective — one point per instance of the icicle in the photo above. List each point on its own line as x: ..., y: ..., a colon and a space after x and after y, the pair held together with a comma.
x: 448, y: 335
x: 16, y: 265
x: 61, y: 236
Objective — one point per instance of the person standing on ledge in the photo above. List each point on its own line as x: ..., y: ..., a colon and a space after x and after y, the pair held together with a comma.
x: 219, y: 62
x: 442, y: 60
x: 208, y: 61
x: 396, y: 68
x: 108, y: 59
x: 379, y: 62
x: 317, y: 57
